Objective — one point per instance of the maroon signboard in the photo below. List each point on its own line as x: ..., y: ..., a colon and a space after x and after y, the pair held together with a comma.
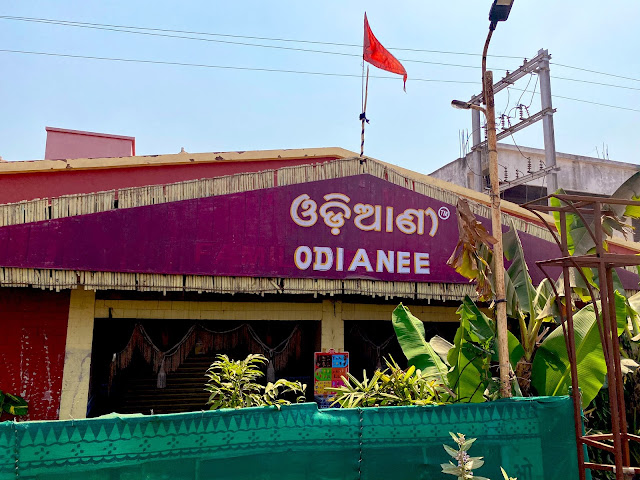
x: 347, y: 228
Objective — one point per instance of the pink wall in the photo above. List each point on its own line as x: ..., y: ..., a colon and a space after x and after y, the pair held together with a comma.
x: 33, y: 333
x: 63, y: 143
x: 28, y: 186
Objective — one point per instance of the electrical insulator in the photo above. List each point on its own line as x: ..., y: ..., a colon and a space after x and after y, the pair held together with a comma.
x: 528, y: 164
x: 506, y: 174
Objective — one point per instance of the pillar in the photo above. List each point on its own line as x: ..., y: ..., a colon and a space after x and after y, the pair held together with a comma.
x: 77, y: 360
x: 332, y: 326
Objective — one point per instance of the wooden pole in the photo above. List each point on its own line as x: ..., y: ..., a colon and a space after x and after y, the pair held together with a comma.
x: 363, y: 116
x: 496, y: 231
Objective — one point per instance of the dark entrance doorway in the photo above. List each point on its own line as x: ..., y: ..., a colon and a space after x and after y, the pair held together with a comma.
x: 136, y: 388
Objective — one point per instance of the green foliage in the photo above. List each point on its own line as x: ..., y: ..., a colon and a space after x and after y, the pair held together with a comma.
x: 392, y: 386
x: 13, y: 404
x: 470, y: 357
x: 411, y: 336
x: 465, y: 464
x: 462, y: 367
x: 234, y: 384
x: 551, y: 369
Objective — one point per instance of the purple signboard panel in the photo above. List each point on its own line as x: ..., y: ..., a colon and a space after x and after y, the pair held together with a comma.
x: 346, y: 228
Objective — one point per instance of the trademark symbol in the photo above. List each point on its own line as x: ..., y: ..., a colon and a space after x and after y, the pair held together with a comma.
x: 443, y: 213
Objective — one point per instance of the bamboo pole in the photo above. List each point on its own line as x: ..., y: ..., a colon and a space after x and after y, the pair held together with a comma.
x: 363, y: 116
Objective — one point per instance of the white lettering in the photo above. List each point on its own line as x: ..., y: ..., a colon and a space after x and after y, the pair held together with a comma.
x: 430, y: 212
x: 404, y: 262
x: 300, y: 263
x: 309, y: 211
x: 323, y: 258
x: 335, y: 220
x: 360, y: 259
x: 421, y: 263
x: 406, y: 224
x: 339, y: 259
x: 364, y: 211
x: 384, y: 260
x: 389, y: 227
x: 389, y: 261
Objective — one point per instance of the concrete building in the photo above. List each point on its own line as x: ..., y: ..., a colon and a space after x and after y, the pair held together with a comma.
x: 576, y: 174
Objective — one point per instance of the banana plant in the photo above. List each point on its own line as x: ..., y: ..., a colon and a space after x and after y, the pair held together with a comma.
x: 13, y: 404
x: 540, y: 358
x: 463, y: 366
x: 550, y: 373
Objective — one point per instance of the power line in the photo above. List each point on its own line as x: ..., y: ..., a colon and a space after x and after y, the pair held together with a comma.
x: 234, y: 42
x: 596, y: 72
x: 274, y: 39
x: 595, y: 83
x: 274, y: 70
x: 597, y: 103
x: 145, y: 30
x: 226, y: 67
x: 148, y: 31
x: 590, y: 102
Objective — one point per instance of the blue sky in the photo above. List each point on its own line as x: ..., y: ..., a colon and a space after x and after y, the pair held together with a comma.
x: 208, y: 109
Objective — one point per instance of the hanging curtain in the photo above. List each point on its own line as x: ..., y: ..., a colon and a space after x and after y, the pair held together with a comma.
x: 371, y: 349
x: 164, y: 362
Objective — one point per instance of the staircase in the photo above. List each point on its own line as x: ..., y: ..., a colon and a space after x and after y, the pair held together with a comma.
x: 184, y: 391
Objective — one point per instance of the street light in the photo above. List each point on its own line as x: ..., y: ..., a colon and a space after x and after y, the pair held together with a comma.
x: 499, y: 12
x: 460, y: 105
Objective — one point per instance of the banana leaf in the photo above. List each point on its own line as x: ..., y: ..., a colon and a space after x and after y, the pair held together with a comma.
x: 629, y: 190
x: 579, y: 242
x: 482, y: 329
x: 518, y: 272
x: 473, y: 351
x: 550, y: 372
x: 411, y: 337
x: 13, y: 404
x: 469, y: 375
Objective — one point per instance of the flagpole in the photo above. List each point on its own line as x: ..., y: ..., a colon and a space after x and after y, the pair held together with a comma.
x: 363, y: 116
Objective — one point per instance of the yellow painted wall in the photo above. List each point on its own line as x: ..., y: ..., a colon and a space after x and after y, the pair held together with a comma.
x: 84, y: 308
x: 288, y: 311
x: 77, y: 361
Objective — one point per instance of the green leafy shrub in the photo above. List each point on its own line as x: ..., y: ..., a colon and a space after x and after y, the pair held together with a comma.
x: 392, y: 386
x: 465, y: 464
x: 234, y: 384
x: 13, y: 404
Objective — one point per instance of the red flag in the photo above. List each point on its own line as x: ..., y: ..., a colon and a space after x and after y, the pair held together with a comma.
x: 378, y: 56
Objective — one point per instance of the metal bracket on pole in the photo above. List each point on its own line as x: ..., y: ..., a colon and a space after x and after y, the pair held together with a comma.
x: 527, y: 67
x: 540, y: 66
x: 527, y: 178
x: 536, y: 117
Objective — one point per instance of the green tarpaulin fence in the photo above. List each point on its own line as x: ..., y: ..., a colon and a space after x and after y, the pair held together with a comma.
x: 532, y: 438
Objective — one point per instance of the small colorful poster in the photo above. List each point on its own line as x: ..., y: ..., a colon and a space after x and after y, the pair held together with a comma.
x: 329, y: 368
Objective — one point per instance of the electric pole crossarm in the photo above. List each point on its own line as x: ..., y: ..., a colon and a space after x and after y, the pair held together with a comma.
x: 536, y: 117
x: 528, y: 67
x: 527, y: 178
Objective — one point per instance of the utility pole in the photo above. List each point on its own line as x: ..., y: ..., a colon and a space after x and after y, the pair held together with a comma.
x: 499, y: 13
x: 476, y: 154
x: 496, y: 231
x: 547, y: 121
x: 538, y: 65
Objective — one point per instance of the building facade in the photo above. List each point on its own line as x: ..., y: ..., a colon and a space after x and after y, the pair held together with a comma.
x: 121, y: 278
x: 576, y: 174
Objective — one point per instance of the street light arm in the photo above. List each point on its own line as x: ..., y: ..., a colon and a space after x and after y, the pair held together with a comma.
x: 484, y: 62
